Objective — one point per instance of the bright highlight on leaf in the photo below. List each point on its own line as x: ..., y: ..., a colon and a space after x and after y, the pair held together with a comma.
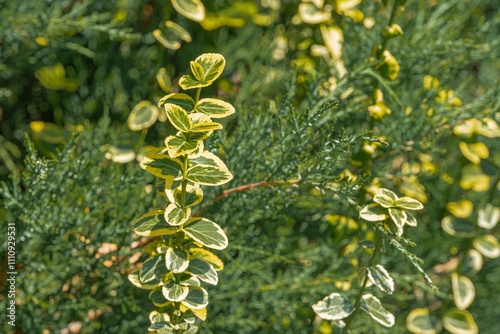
x: 142, y: 116
x: 419, y: 321
x: 463, y: 291
x: 371, y: 305
x: 333, y: 307
x: 459, y: 322
x: 192, y: 9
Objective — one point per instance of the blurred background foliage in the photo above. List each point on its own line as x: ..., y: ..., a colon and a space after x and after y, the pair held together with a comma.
x: 324, y: 117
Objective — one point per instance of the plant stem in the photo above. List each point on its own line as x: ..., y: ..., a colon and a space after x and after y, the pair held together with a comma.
x: 357, y: 305
x: 197, y: 98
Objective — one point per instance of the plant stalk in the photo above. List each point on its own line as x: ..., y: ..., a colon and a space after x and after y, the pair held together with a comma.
x: 357, y: 305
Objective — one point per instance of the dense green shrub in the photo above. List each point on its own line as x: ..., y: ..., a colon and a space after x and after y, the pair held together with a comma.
x: 322, y: 124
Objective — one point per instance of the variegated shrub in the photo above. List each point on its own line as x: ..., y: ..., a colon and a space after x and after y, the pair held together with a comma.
x: 180, y: 259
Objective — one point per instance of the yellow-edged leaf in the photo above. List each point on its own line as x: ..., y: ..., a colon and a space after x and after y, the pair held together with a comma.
x: 214, y: 108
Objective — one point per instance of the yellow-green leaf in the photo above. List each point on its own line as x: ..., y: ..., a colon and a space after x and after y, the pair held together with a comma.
x: 390, y: 66
x: 196, y: 299
x: 459, y: 322
x: 409, y: 203
x: 207, y: 256
x: 381, y: 278
x: 208, y: 170
x: 175, y: 215
x: 192, y: 9
x: 152, y: 269
x: 134, y: 279
x: 142, y: 116
x: 460, y: 209
x: 458, y: 227
x: 203, y: 270
x: 420, y: 322
x: 333, y: 307
x: 193, y: 196
x: 179, y: 145
x: 399, y: 218
x: 214, y: 108
x: 474, y: 152
x: 54, y: 77
x: 212, y: 65
x: 372, y: 305
x: 178, y: 117
x: 474, y: 179
x: 488, y: 217
x: 180, y: 99
x: 177, y: 260
x: 174, y: 292
x: 463, y: 291
x: 169, y: 44
x: 153, y: 224
x: 164, y: 81
x: 156, y: 296
x: 311, y: 14
x: 487, y: 245
x: 374, y: 213
x: 206, y: 232
x: 160, y: 164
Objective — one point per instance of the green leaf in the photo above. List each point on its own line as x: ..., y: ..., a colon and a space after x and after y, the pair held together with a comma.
x: 311, y: 14
x: 214, y: 108
x: 488, y: 217
x: 459, y: 322
x: 411, y: 220
x: 142, y: 116
x: 151, y: 269
x: 134, y: 279
x: 374, y: 213
x: 175, y: 215
x: 192, y: 9
x: 371, y: 305
x: 156, y: 316
x: 473, y: 263
x: 157, y: 297
x: 409, y: 203
x: 387, y: 193
x: 207, y: 256
x: 333, y: 307
x: 399, y: 218
x: 179, y: 99
x: 487, y: 245
x: 206, y: 232
x: 178, y: 117
x: 208, y: 170
x: 153, y: 224
x: 463, y: 291
x: 161, y: 165
x: 196, y: 299
x: 198, y: 71
x: 193, y: 195
x: 212, y: 65
x: 458, y: 227
x: 384, y: 200
x: 381, y: 278
x: 164, y: 82
x: 178, y: 145
x: 161, y: 328
x: 203, y: 270
x: 420, y: 322
x: 175, y: 292
x: 177, y: 260
x: 205, y: 127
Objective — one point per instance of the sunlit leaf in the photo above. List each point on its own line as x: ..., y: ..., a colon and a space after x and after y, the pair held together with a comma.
x: 176, y: 260
x: 179, y: 145
x: 192, y: 196
x: 488, y: 217
x: 311, y: 14
x: 178, y: 117
x: 459, y: 322
x: 374, y: 212
x: 206, y: 232
x: 179, y: 99
x: 175, y: 215
x: 463, y: 291
x: 196, y: 299
x: 192, y: 9
x: 142, y: 116
x: 420, y: 322
x: 474, y: 152
x: 161, y: 165
x: 209, y: 67
x: 381, y: 278
x: 209, y: 170
x: 151, y: 269
x: 458, y: 227
x: 399, y: 218
x: 409, y: 203
x: 207, y: 256
x: 214, y: 108
x: 164, y: 82
x: 203, y: 270
x: 153, y: 224
x: 487, y: 245
x: 175, y: 292
x: 134, y: 279
x: 157, y: 297
x: 371, y: 305
x: 473, y: 263
x: 333, y: 307
x: 461, y: 209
